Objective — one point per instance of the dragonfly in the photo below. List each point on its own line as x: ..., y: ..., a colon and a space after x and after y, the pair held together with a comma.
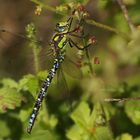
x: 61, y: 39
x: 58, y: 44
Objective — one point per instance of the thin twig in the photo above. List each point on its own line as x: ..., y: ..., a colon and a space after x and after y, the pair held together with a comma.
x: 121, y: 99
x: 125, y: 12
x: 89, y: 62
x: 36, y: 58
x: 106, y: 27
x: 89, y: 21
x: 50, y: 8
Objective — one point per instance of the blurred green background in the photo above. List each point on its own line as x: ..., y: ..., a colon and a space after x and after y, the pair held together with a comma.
x: 75, y: 107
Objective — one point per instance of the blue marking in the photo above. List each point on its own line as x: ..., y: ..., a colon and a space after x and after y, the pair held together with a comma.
x: 33, y: 115
x: 43, y: 90
x: 31, y: 121
x: 61, y: 29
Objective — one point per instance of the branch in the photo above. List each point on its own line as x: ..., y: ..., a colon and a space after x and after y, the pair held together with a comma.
x: 121, y: 100
x: 90, y: 21
x: 106, y: 27
x: 50, y: 8
x: 125, y: 12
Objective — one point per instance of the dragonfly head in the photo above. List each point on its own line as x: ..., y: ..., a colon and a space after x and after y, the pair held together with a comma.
x: 62, y: 27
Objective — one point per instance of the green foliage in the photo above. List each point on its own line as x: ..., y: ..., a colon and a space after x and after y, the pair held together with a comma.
x: 41, y: 135
x: 5, y: 130
x: 34, y: 44
x: 117, y: 77
x: 124, y: 137
x: 88, y: 124
x: 132, y: 109
x: 10, y: 97
x: 29, y: 83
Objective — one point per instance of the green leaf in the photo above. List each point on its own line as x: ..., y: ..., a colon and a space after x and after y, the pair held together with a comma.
x: 42, y: 74
x: 81, y: 114
x: 138, y: 138
x: 81, y: 118
x: 53, y: 121
x: 102, y: 133
x: 125, y: 136
x: 29, y: 83
x: 132, y: 109
x: 24, y: 114
x: 41, y: 135
x: 9, y: 99
x: 74, y: 133
x: 86, y: 124
x: 7, y: 82
x: 4, y: 129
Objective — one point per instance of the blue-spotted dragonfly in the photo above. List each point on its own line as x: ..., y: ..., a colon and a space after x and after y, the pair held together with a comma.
x: 58, y: 43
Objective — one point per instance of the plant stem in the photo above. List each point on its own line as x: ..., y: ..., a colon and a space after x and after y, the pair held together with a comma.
x: 121, y: 99
x: 125, y: 12
x: 50, y: 8
x: 89, y: 63
x: 36, y: 59
x: 89, y: 21
x: 88, y: 57
x: 106, y: 27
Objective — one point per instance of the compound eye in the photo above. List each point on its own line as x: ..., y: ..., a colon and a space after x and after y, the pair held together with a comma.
x: 61, y: 29
x: 57, y: 25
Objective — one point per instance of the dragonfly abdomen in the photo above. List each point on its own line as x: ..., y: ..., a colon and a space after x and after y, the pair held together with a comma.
x: 57, y: 61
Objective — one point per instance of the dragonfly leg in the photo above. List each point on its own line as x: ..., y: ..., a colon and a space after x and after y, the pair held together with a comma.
x: 70, y: 19
x: 78, y: 36
x: 71, y: 33
x: 72, y: 43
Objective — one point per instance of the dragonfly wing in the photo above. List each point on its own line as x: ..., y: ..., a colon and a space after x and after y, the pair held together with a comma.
x: 72, y: 64
x: 65, y: 89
